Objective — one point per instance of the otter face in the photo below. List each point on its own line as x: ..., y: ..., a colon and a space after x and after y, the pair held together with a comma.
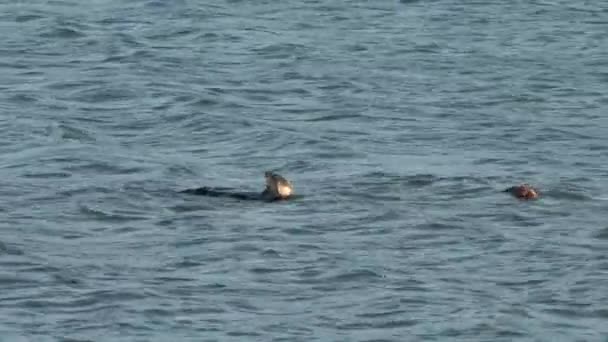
x: 277, y: 185
x: 524, y: 191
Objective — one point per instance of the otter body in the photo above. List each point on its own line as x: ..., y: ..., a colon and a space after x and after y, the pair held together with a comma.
x: 523, y: 191
x: 223, y: 192
x: 277, y: 188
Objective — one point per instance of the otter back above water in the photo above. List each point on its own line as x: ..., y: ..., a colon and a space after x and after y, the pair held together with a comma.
x: 226, y: 192
x: 276, y: 188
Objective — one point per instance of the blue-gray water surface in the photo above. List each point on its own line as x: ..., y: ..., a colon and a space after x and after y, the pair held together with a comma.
x: 398, y: 122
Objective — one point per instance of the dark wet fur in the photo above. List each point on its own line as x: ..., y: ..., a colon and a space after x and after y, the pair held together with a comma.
x: 513, y: 190
x: 230, y: 193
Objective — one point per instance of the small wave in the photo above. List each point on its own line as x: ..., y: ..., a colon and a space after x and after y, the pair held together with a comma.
x: 68, y: 84
x: 524, y: 283
x: 438, y: 226
x: 205, y: 102
x: 300, y: 231
x: 66, y: 33
x: 99, y: 214
x: 338, y: 154
x: 27, y: 17
x: 243, y: 334
x: 267, y: 270
x: 83, y: 304
x: 421, y: 180
x: 104, y: 168
x: 10, y: 250
x: 102, y: 95
x: 334, y: 117
x: 601, y: 313
x: 355, y: 276
x: 427, y: 179
x: 380, y: 324
x: 418, y: 180
x: 17, y: 282
x: 47, y: 175
x: 571, y: 195
x: 69, y: 132
x: 88, y: 190
x: 23, y: 98
x: 183, y: 263
x: 602, y: 234
x: 163, y: 280
x: 281, y: 50
x: 65, y: 278
x: 491, y: 161
x: 271, y: 253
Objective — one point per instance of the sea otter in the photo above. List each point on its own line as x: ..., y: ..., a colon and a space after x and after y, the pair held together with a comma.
x: 277, y: 188
x: 523, y: 191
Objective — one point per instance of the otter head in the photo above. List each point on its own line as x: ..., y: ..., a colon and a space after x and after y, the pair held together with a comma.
x: 277, y: 186
x: 523, y: 191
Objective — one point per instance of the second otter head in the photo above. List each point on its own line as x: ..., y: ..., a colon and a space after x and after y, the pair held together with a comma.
x: 523, y: 191
x: 278, y: 186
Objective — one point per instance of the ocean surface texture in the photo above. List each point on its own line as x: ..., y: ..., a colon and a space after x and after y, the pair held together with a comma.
x: 398, y: 122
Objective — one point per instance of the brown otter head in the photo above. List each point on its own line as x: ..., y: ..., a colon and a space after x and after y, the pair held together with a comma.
x: 523, y: 191
x: 277, y: 187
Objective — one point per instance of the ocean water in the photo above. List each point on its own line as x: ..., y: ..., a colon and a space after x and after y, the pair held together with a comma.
x: 399, y: 123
